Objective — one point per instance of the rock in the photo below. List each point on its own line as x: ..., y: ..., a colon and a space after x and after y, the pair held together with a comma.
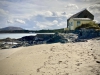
x: 54, y: 39
x: 59, y: 62
x: 87, y: 33
x: 78, y: 64
x: 80, y: 40
x: 27, y: 38
x: 97, y: 61
x: 15, y: 46
x: 5, y: 46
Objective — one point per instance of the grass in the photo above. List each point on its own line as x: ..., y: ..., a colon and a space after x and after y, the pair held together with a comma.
x: 90, y: 25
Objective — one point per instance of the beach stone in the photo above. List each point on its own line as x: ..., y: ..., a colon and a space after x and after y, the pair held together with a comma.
x: 97, y: 61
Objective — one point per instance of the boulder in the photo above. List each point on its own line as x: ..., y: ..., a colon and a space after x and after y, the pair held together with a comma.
x: 27, y: 38
x: 87, y: 34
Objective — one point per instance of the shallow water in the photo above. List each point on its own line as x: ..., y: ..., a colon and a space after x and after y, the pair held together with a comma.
x: 15, y: 35
x: 18, y: 35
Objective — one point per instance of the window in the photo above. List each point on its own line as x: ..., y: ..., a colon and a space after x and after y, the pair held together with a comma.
x: 71, y: 24
x: 78, y: 23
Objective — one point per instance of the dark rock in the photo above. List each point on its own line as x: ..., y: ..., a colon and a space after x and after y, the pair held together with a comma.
x: 80, y: 40
x: 78, y: 64
x: 57, y: 38
x: 97, y: 61
x: 59, y: 62
x: 87, y: 34
x: 38, y: 70
x: 15, y: 46
x: 44, y: 36
x: 27, y: 38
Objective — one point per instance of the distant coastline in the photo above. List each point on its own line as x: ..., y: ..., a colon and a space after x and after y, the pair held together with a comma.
x: 33, y: 31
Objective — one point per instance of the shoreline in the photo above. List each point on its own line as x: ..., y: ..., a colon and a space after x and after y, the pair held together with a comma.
x: 12, y: 35
x: 44, y: 39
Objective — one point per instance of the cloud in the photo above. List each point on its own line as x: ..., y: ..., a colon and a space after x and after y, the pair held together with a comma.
x: 34, y: 27
x: 43, y: 13
x: 20, y: 21
x: 62, y: 24
x: 55, y: 22
x: 48, y: 14
x: 96, y: 21
x: 90, y: 0
x: 3, y: 15
x: 57, y: 14
x: 62, y: 14
x: 69, y: 15
x: 10, y: 21
x: 3, y: 12
x: 95, y: 8
x: 72, y: 6
x: 51, y: 25
x: 46, y: 25
x: 40, y: 25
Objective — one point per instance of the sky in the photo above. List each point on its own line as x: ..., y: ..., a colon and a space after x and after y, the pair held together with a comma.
x: 43, y: 14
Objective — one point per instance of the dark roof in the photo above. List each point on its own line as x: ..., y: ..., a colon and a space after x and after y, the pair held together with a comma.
x: 77, y: 14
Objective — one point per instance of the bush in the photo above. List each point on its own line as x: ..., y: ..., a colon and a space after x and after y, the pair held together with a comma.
x: 90, y: 25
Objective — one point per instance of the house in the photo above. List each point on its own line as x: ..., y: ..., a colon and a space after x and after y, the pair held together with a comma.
x: 79, y: 18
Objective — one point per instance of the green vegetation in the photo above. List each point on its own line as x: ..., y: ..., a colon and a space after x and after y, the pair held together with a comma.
x: 90, y: 25
x: 51, y: 31
x: 34, y: 31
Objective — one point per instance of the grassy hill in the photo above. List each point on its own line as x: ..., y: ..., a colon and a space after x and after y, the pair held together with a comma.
x: 11, y: 28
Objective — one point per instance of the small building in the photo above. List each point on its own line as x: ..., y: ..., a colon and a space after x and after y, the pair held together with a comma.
x: 79, y: 18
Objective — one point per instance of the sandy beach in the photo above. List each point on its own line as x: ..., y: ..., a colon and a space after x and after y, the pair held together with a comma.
x: 80, y: 58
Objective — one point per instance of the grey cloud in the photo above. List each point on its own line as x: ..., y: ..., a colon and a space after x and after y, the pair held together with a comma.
x: 13, y: 1
x: 71, y: 6
x: 31, y: 13
x: 64, y: 13
x: 3, y: 12
x: 20, y: 21
x: 10, y: 21
x: 88, y: 0
x: 91, y: 1
x: 95, y: 9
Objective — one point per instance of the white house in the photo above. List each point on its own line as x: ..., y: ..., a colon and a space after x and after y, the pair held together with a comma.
x: 80, y: 18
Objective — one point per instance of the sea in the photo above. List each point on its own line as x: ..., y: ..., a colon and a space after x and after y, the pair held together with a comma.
x: 18, y: 35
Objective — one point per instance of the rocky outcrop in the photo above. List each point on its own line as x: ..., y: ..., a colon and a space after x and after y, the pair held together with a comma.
x: 57, y: 38
x: 88, y: 34
x: 27, y: 38
x: 63, y: 38
x: 79, y: 36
